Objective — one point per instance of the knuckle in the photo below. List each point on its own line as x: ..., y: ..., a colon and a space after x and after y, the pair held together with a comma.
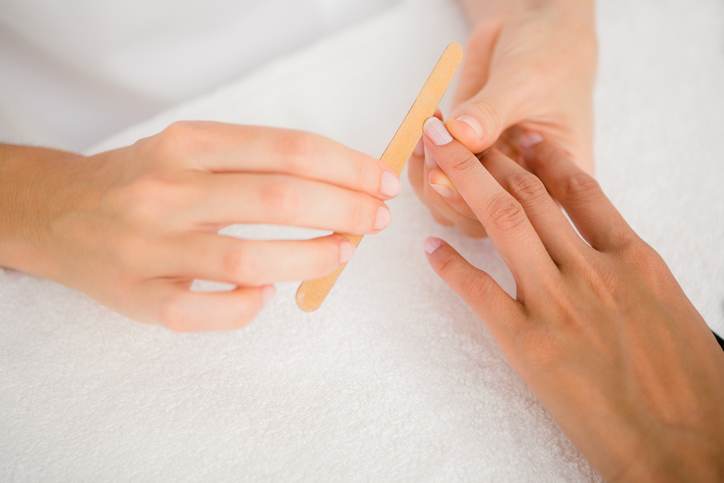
x: 448, y: 266
x: 367, y: 176
x: 505, y: 213
x: 238, y: 266
x: 463, y: 161
x: 480, y: 286
x: 527, y: 188
x: 490, y: 113
x: 173, y: 315
x: 280, y: 197
x: 178, y: 129
x: 581, y: 187
x: 624, y: 239
x: 177, y: 138
x: 361, y: 215
x: 330, y: 255
x: 297, y: 146
x: 647, y: 261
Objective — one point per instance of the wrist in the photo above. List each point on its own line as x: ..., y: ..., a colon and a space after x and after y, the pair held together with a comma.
x: 31, y: 182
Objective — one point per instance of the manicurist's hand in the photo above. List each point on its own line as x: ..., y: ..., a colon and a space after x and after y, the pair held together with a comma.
x: 529, y: 64
x: 134, y: 226
x: 599, y: 328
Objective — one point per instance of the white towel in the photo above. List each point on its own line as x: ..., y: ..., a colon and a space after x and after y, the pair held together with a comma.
x: 393, y: 379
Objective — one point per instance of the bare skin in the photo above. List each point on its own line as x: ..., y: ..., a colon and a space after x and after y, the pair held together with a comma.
x: 529, y: 64
x: 134, y: 226
x: 599, y: 329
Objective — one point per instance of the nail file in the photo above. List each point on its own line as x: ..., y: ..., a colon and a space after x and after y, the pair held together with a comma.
x: 311, y: 293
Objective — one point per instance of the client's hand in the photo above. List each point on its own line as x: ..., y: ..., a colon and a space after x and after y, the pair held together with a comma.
x: 599, y: 329
x: 529, y: 64
x: 134, y: 226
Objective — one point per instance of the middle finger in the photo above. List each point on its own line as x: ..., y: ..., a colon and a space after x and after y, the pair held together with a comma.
x: 501, y: 215
x: 555, y: 231
x: 230, y: 198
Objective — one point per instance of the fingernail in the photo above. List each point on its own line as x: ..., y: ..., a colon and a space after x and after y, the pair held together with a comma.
x: 528, y: 140
x: 267, y: 294
x: 437, y: 132
x: 432, y: 244
x: 472, y: 123
x: 419, y: 148
x: 346, y: 250
x: 429, y: 162
x: 382, y: 219
x: 389, y: 184
x: 442, y: 190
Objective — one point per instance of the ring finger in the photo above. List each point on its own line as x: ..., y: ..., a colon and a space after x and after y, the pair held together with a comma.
x: 255, y: 262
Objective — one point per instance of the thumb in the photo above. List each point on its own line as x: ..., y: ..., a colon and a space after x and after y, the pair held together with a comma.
x: 478, y: 122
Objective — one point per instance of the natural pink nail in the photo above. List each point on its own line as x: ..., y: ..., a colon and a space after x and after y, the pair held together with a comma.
x: 382, y: 219
x: 432, y: 244
x: 530, y: 139
x: 472, y: 123
x: 437, y: 132
x: 389, y: 184
x: 442, y: 190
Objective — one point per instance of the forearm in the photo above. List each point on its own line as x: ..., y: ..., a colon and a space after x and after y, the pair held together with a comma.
x: 30, y: 178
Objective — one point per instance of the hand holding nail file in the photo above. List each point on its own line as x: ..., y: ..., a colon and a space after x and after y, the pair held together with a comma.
x: 311, y: 293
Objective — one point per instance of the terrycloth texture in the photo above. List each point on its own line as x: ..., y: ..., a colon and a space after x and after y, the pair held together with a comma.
x: 394, y: 379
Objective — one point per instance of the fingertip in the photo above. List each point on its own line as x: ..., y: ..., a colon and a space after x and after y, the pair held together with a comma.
x: 437, y: 176
x: 432, y: 244
x: 382, y: 218
x: 267, y: 294
x: 441, y: 183
x: 468, y: 131
x: 390, y: 185
x: 435, y: 131
x: 443, y: 258
x: 528, y: 139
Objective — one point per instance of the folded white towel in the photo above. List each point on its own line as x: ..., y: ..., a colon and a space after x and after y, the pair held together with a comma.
x: 394, y: 379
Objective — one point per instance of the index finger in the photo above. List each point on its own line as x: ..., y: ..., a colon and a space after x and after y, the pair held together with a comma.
x: 221, y: 147
x: 500, y: 213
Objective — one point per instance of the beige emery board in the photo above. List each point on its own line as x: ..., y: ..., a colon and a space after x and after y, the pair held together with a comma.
x: 312, y: 293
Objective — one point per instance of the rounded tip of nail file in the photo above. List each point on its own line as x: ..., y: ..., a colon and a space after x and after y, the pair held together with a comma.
x: 311, y: 293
